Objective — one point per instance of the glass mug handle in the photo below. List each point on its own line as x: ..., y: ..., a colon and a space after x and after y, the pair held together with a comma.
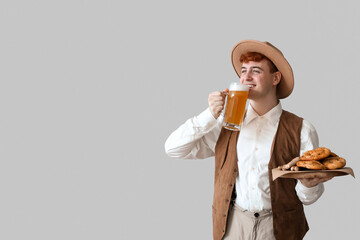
x: 226, y: 97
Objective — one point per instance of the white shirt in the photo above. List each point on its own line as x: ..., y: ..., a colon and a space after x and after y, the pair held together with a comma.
x: 197, y: 137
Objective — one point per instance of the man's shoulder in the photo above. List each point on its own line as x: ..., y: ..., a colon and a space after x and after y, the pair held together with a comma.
x: 290, y: 115
x: 307, y: 123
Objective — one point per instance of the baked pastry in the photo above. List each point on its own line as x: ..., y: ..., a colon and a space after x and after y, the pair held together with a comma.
x: 333, y: 154
x: 316, y: 154
x: 313, y: 165
x: 334, y: 162
x: 290, y: 164
x: 321, y: 158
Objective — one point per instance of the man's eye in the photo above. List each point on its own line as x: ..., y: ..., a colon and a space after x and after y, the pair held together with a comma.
x: 256, y: 71
x: 243, y: 71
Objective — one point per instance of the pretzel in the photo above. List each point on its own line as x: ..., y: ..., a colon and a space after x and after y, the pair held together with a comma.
x: 295, y: 168
x: 334, y: 162
x: 317, y: 159
x: 289, y: 164
x: 314, y: 165
x: 315, y: 154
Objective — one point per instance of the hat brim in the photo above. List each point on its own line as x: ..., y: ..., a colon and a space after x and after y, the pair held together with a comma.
x: 286, y: 85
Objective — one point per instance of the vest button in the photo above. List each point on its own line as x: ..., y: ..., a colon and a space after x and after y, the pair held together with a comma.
x: 230, y: 185
x: 224, y: 215
x: 235, y: 170
x: 227, y: 200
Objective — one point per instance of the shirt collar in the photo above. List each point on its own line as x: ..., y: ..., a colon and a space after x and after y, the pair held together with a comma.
x: 273, y: 115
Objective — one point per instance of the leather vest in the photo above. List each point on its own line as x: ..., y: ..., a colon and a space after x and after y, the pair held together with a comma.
x: 289, y: 219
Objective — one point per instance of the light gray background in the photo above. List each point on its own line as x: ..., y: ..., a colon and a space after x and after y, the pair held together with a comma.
x: 90, y: 90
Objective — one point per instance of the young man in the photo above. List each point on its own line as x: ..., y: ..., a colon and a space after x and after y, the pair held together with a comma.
x: 247, y: 203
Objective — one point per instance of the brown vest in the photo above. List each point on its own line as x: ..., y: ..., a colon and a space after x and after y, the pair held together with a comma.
x: 288, y: 214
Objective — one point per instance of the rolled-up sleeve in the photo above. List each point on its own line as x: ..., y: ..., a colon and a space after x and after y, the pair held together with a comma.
x: 196, y: 138
x: 309, y: 195
x: 309, y: 140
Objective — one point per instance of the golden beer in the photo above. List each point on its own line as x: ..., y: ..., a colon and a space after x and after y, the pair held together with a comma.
x: 235, y: 106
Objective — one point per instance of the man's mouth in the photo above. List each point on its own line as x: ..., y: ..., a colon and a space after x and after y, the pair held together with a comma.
x: 250, y: 85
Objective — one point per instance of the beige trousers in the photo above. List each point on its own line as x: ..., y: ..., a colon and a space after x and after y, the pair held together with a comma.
x: 245, y: 225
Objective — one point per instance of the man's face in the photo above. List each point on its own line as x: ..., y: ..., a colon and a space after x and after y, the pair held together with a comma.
x: 260, y: 80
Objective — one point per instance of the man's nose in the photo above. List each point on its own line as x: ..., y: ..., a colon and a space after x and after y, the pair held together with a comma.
x: 245, y: 76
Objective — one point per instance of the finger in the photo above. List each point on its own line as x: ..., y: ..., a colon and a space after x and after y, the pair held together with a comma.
x: 216, y: 102
x: 326, y: 179
x: 216, y: 98
x: 217, y: 106
x: 219, y: 109
x: 214, y: 94
x: 305, y: 179
x: 225, y: 92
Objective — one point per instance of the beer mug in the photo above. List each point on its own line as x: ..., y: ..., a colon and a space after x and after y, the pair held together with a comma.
x: 235, y: 106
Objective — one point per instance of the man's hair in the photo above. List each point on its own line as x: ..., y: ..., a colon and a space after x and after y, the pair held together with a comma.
x: 257, y: 57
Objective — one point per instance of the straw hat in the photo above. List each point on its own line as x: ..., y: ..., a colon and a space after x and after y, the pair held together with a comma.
x: 286, y: 84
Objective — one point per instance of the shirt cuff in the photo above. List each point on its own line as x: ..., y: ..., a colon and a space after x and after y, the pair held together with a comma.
x: 207, y: 120
x: 312, y: 190
x: 309, y: 195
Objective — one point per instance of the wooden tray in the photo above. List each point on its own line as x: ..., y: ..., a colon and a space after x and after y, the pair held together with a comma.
x: 277, y: 173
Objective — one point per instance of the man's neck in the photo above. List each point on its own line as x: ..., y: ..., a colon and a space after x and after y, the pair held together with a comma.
x: 263, y: 106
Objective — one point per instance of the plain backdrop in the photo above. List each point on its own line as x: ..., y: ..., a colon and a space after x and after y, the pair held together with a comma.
x: 90, y: 90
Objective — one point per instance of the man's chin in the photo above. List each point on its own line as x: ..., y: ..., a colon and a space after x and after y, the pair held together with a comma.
x: 251, y: 96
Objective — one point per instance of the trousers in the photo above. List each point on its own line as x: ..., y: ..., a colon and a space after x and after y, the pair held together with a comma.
x: 246, y: 225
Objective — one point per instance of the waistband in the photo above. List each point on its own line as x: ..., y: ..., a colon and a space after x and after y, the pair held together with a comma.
x: 259, y: 214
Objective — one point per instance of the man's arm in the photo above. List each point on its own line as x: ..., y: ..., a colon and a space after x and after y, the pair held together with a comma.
x: 197, y: 137
x: 309, y: 190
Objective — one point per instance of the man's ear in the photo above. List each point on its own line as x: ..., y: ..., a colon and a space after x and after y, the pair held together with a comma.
x: 277, y: 78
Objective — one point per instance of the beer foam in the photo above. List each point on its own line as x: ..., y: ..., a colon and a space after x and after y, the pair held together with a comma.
x: 236, y: 86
